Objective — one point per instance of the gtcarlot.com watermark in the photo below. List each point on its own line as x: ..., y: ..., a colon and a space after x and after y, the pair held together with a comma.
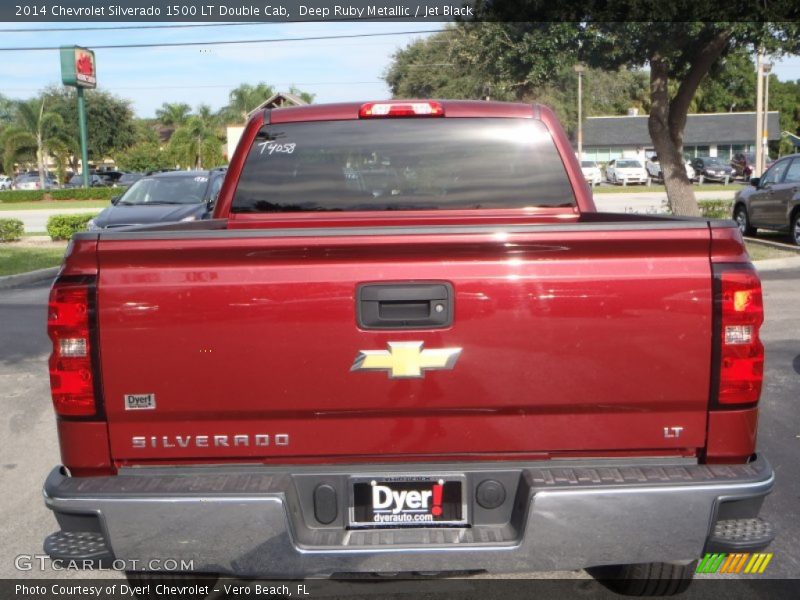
x: 42, y: 562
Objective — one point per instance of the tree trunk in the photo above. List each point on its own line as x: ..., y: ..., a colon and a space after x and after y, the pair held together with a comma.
x: 669, y: 147
x: 40, y: 160
x: 668, y: 118
x: 40, y: 148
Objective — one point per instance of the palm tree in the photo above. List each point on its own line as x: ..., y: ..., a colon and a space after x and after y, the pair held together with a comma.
x: 173, y: 114
x: 306, y: 97
x: 35, y: 130
x: 198, y: 140
x: 245, y: 98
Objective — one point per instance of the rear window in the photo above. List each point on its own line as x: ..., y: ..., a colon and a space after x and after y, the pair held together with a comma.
x: 402, y: 164
x: 167, y: 190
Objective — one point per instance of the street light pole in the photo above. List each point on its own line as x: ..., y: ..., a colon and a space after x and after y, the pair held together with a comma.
x: 767, y: 68
x: 84, y: 137
x: 759, y: 110
x: 579, y: 70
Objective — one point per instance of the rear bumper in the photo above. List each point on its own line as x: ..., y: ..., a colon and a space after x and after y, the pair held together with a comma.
x: 258, y: 521
x: 708, y: 177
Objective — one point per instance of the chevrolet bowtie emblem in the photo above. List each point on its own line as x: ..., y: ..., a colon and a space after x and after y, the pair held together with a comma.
x: 406, y: 359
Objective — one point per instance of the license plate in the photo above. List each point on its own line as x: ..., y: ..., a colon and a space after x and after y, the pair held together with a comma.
x: 418, y: 501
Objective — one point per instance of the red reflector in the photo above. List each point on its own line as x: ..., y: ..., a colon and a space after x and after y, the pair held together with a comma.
x: 71, y: 379
x: 741, y: 355
x: 405, y: 108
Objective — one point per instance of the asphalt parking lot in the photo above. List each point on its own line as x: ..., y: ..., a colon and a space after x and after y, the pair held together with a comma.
x: 30, y: 446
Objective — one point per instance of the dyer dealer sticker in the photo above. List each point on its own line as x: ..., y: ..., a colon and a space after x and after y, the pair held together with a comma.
x: 408, y: 502
x: 140, y: 401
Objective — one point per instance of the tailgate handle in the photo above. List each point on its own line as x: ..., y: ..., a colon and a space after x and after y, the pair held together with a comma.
x: 404, y: 305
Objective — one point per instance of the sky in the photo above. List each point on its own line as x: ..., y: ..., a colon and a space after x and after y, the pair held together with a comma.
x: 333, y: 70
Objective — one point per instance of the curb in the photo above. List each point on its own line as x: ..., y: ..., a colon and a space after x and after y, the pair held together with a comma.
x: 9, y: 281
x: 776, y: 264
x: 773, y: 244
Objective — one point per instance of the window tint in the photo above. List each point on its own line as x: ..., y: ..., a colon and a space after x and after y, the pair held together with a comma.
x: 793, y: 172
x: 775, y: 174
x: 402, y: 164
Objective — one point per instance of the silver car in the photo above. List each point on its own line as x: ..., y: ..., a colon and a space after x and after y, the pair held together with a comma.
x: 30, y: 181
x: 5, y: 182
x: 653, y: 167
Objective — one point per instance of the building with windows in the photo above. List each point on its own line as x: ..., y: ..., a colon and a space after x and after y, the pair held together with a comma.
x: 711, y: 134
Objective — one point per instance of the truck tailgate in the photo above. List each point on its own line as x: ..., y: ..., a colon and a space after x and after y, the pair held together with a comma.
x: 581, y: 339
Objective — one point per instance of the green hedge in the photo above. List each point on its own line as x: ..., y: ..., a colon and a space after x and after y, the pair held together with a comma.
x: 10, y: 196
x: 716, y: 209
x: 96, y: 193
x: 61, y: 227
x: 11, y: 230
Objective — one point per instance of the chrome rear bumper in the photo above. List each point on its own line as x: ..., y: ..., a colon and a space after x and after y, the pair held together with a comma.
x: 259, y: 521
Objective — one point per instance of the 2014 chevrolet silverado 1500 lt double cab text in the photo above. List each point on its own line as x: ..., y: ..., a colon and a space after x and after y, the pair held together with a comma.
x: 407, y: 342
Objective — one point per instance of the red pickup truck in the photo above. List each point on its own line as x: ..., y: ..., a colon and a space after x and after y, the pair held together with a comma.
x: 406, y: 341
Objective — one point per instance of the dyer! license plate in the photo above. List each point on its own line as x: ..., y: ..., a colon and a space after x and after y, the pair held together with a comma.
x: 408, y: 502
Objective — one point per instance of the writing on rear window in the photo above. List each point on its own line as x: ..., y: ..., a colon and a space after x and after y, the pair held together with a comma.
x: 269, y: 148
x: 402, y: 164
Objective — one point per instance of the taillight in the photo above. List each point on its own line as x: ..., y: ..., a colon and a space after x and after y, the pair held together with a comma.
x: 739, y: 312
x: 69, y: 325
x: 401, y: 109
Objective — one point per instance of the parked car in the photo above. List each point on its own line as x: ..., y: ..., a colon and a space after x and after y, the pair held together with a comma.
x: 712, y: 168
x: 771, y: 201
x: 76, y: 181
x: 743, y: 163
x: 128, y: 179
x: 474, y: 372
x: 653, y: 167
x: 626, y: 170
x: 5, y: 182
x: 110, y: 178
x: 30, y: 181
x: 163, y: 197
x: 591, y: 172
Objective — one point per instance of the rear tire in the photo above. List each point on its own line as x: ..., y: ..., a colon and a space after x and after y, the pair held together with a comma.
x: 743, y: 221
x: 646, y: 579
x: 796, y: 228
x: 143, y: 578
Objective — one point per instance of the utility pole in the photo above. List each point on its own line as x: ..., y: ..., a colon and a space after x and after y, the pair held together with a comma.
x: 579, y: 70
x: 759, y: 110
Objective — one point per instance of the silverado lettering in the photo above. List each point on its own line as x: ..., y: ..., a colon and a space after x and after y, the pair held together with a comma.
x: 423, y: 295
x: 205, y: 441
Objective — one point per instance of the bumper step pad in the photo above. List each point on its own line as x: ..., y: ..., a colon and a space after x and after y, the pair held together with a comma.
x: 736, y: 535
x: 82, y: 547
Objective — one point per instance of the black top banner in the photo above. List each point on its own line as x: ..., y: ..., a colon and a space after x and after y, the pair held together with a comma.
x: 139, y: 11
x: 236, y: 10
